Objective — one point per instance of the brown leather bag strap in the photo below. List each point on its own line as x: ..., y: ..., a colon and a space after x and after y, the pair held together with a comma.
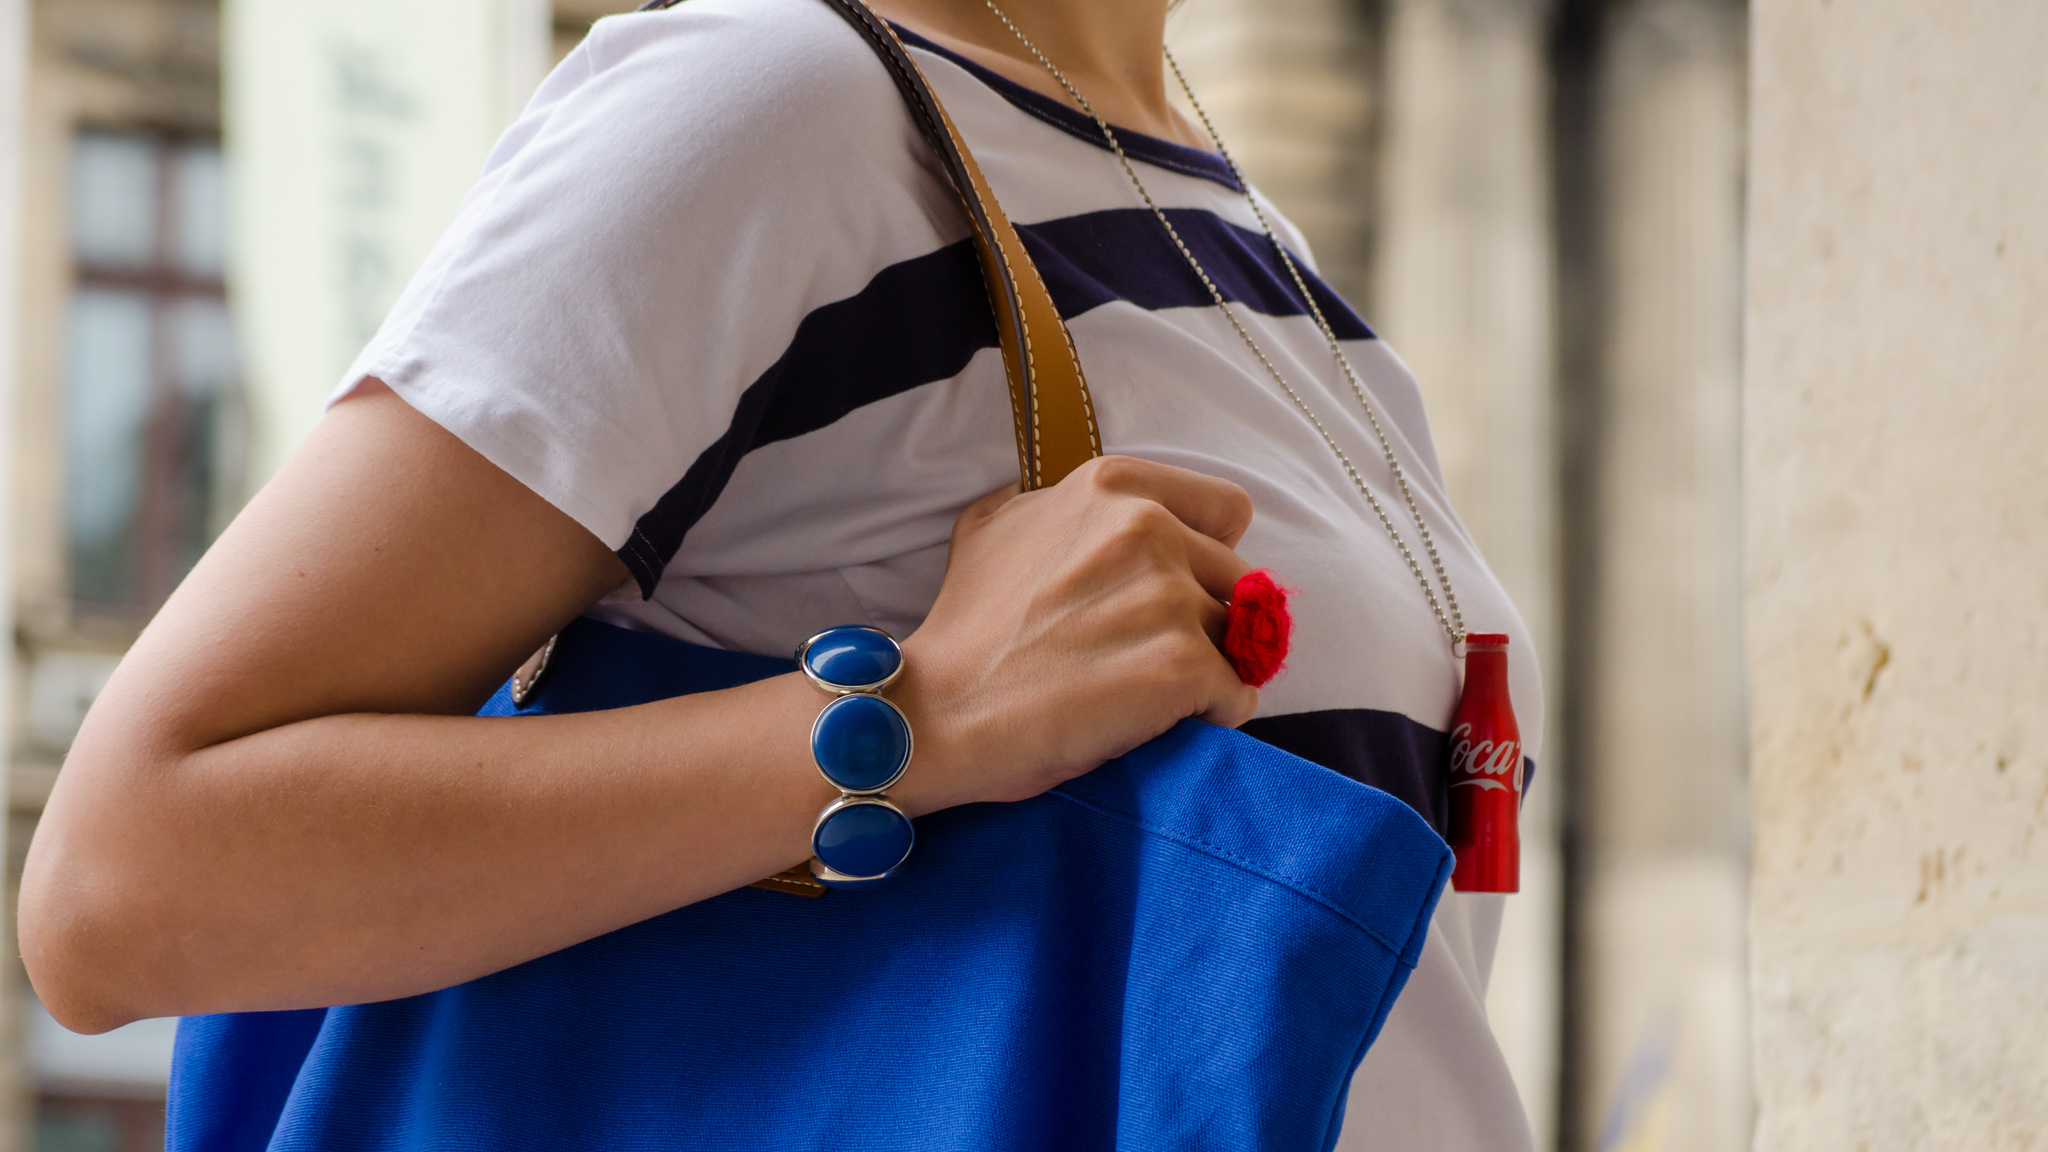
x: 1055, y: 419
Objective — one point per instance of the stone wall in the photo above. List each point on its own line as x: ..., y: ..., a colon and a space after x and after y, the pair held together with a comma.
x: 1897, y: 532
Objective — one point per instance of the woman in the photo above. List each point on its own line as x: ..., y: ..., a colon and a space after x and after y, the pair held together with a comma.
x: 696, y: 357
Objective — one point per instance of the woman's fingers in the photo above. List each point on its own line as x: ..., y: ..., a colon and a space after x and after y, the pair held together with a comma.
x: 1215, y: 621
x: 1180, y: 514
x: 1232, y: 701
x: 1215, y: 567
x: 1215, y: 508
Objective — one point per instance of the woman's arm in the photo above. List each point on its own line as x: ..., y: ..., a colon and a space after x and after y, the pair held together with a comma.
x: 282, y: 799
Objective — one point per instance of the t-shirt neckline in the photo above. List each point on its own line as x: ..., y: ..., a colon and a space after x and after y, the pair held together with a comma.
x: 1152, y: 150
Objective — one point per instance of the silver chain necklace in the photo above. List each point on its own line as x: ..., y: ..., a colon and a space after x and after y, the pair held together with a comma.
x: 1446, y: 608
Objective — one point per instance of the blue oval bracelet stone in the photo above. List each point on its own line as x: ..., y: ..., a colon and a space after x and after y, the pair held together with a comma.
x: 852, y: 657
x: 861, y: 743
x: 863, y: 839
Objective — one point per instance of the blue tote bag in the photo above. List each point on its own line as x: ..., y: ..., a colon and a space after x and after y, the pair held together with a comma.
x: 1189, y: 948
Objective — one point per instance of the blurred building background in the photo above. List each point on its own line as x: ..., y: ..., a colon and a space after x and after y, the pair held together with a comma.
x: 1538, y: 202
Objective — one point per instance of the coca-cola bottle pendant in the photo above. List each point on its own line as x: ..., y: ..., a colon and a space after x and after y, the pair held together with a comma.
x: 1486, y: 773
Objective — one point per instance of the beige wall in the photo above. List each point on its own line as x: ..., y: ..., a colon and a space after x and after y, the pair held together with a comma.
x: 1897, y: 505
x: 340, y: 189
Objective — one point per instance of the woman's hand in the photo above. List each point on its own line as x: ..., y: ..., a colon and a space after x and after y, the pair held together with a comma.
x: 1075, y: 623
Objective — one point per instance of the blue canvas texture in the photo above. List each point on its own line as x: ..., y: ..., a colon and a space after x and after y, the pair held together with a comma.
x: 1189, y: 948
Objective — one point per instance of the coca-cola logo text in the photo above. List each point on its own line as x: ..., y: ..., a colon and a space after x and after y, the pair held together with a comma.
x: 1481, y: 763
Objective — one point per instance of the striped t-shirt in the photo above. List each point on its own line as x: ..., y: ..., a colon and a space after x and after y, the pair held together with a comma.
x: 713, y: 298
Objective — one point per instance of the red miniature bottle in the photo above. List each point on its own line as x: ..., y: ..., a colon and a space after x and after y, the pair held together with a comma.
x: 1486, y: 773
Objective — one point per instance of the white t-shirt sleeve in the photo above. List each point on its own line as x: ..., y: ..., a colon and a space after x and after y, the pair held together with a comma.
x: 644, y: 241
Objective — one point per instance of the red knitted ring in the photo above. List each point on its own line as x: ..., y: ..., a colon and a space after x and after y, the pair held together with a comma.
x: 1256, y: 638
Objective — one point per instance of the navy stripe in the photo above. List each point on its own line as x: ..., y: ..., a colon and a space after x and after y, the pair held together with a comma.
x: 1384, y: 749
x: 923, y: 319
x: 1152, y: 150
x: 1123, y: 254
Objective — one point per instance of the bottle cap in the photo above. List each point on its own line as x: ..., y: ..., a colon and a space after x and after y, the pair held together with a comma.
x: 1486, y: 639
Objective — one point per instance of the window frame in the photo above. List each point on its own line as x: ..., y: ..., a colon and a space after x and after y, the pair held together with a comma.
x: 157, y: 560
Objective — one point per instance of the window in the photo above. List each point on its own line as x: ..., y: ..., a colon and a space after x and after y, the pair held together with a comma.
x: 154, y: 426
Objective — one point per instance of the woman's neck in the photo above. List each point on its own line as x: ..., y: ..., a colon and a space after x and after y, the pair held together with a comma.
x: 1108, y: 49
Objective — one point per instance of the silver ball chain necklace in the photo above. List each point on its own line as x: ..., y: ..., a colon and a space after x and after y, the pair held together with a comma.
x: 1445, y: 607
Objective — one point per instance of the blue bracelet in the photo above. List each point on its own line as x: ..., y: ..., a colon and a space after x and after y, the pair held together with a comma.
x: 862, y: 744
